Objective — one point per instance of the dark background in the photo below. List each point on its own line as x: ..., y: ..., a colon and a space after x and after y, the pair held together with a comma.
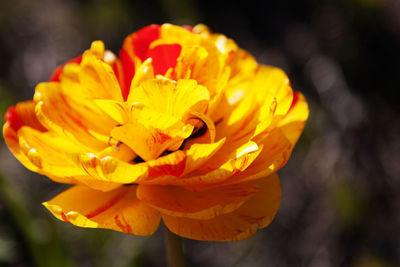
x: 341, y: 188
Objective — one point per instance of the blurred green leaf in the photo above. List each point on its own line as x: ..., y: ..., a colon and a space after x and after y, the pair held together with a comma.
x: 348, y: 201
x: 44, y: 251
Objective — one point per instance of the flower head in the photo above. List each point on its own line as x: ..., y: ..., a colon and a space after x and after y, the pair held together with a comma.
x: 183, y: 125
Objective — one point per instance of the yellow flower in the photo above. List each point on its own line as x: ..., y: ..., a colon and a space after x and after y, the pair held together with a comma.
x: 183, y: 125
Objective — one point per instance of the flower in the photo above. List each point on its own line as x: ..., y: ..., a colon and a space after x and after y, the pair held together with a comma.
x: 183, y: 126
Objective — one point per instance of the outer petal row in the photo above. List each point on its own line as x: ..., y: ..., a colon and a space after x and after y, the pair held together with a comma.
x: 185, y: 214
x: 242, y: 223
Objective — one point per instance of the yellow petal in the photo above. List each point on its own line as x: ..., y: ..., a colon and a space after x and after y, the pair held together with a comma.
x: 272, y: 83
x: 204, y: 205
x: 187, y: 161
x: 173, y: 34
x: 118, y: 210
x: 269, y: 96
x: 145, y: 72
x: 93, y: 174
x: 49, y: 152
x: 168, y: 97
x: 111, y: 169
x: 163, y: 170
x: 52, y: 156
x: 97, y: 79
x: 293, y: 123
x: 216, y: 171
x: 194, y: 117
x: 12, y: 140
x: 97, y: 48
x: 71, y: 117
x: 31, y: 162
x: 198, y: 154
x: 258, y: 212
x: 150, y: 143
x: 276, y: 152
x: 115, y: 109
x: 92, y: 182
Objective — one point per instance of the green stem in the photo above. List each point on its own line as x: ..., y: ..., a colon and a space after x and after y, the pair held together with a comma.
x: 176, y: 256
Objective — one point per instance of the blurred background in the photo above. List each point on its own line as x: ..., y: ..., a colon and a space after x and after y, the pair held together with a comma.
x: 341, y: 188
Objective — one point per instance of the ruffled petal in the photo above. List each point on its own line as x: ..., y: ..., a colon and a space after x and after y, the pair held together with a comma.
x: 118, y: 210
x: 212, y: 174
x: 258, y: 212
x: 276, y: 152
x: 172, y: 98
x: 268, y: 96
x: 164, y: 170
x: 97, y: 48
x: 113, y: 170
x: 150, y: 143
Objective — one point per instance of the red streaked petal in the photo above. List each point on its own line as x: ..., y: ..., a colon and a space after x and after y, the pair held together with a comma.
x: 118, y: 210
x: 173, y: 164
x: 136, y: 44
x: 164, y: 57
x: 23, y: 114
x: 119, y: 73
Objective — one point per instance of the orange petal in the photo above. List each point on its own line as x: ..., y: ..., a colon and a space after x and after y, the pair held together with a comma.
x: 258, y: 212
x: 204, y: 205
x: 118, y: 210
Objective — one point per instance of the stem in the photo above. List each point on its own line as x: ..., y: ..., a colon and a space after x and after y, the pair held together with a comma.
x: 176, y: 256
